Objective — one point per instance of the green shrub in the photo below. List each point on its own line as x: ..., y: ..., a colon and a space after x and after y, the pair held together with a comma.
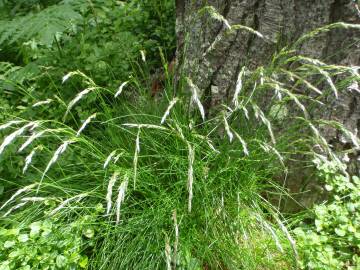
x: 47, y: 244
x: 332, y: 239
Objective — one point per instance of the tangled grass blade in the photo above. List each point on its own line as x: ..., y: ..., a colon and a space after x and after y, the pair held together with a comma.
x: 111, y: 184
x: 76, y: 198
x: 268, y: 148
x: 302, y: 80
x: 121, y: 197
x: 108, y: 159
x: 167, y: 112
x: 121, y: 87
x: 191, y: 159
x: 17, y: 193
x: 86, y: 122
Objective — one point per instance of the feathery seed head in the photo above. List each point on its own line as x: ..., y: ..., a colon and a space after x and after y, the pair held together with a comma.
x: 121, y: 197
x: 121, y: 87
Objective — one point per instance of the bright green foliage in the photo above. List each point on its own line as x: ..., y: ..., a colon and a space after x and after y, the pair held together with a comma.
x: 39, y: 28
x: 127, y: 181
x: 332, y: 241
x: 47, y: 244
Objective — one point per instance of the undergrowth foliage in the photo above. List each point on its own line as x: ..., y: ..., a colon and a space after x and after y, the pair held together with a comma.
x: 131, y: 182
x: 333, y: 240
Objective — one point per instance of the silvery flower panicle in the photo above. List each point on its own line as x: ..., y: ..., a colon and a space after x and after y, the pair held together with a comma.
x: 143, y: 55
x: 119, y: 91
x: 17, y: 193
x: 28, y: 160
x: 30, y: 140
x: 56, y: 155
x: 78, y: 97
x: 14, y: 208
x: 108, y: 159
x: 136, y: 155
x: 111, y: 184
x: 121, y: 198
x: 195, y: 97
x: 43, y: 102
x: 167, y: 112
x: 86, y: 122
x: 191, y: 158
x: 67, y: 76
x: 64, y: 203
x: 10, y: 138
x: 9, y: 124
x: 228, y: 131
x: 239, y: 85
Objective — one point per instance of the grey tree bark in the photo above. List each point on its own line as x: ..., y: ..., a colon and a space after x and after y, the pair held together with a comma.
x: 214, y: 66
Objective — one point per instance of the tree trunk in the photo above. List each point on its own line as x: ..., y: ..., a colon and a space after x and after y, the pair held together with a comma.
x: 212, y: 58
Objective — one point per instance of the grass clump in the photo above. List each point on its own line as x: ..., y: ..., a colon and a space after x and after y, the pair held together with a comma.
x: 172, y: 189
x: 127, y: 181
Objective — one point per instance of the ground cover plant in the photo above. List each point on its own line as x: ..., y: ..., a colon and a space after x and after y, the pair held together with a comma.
x: 95, y: 176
